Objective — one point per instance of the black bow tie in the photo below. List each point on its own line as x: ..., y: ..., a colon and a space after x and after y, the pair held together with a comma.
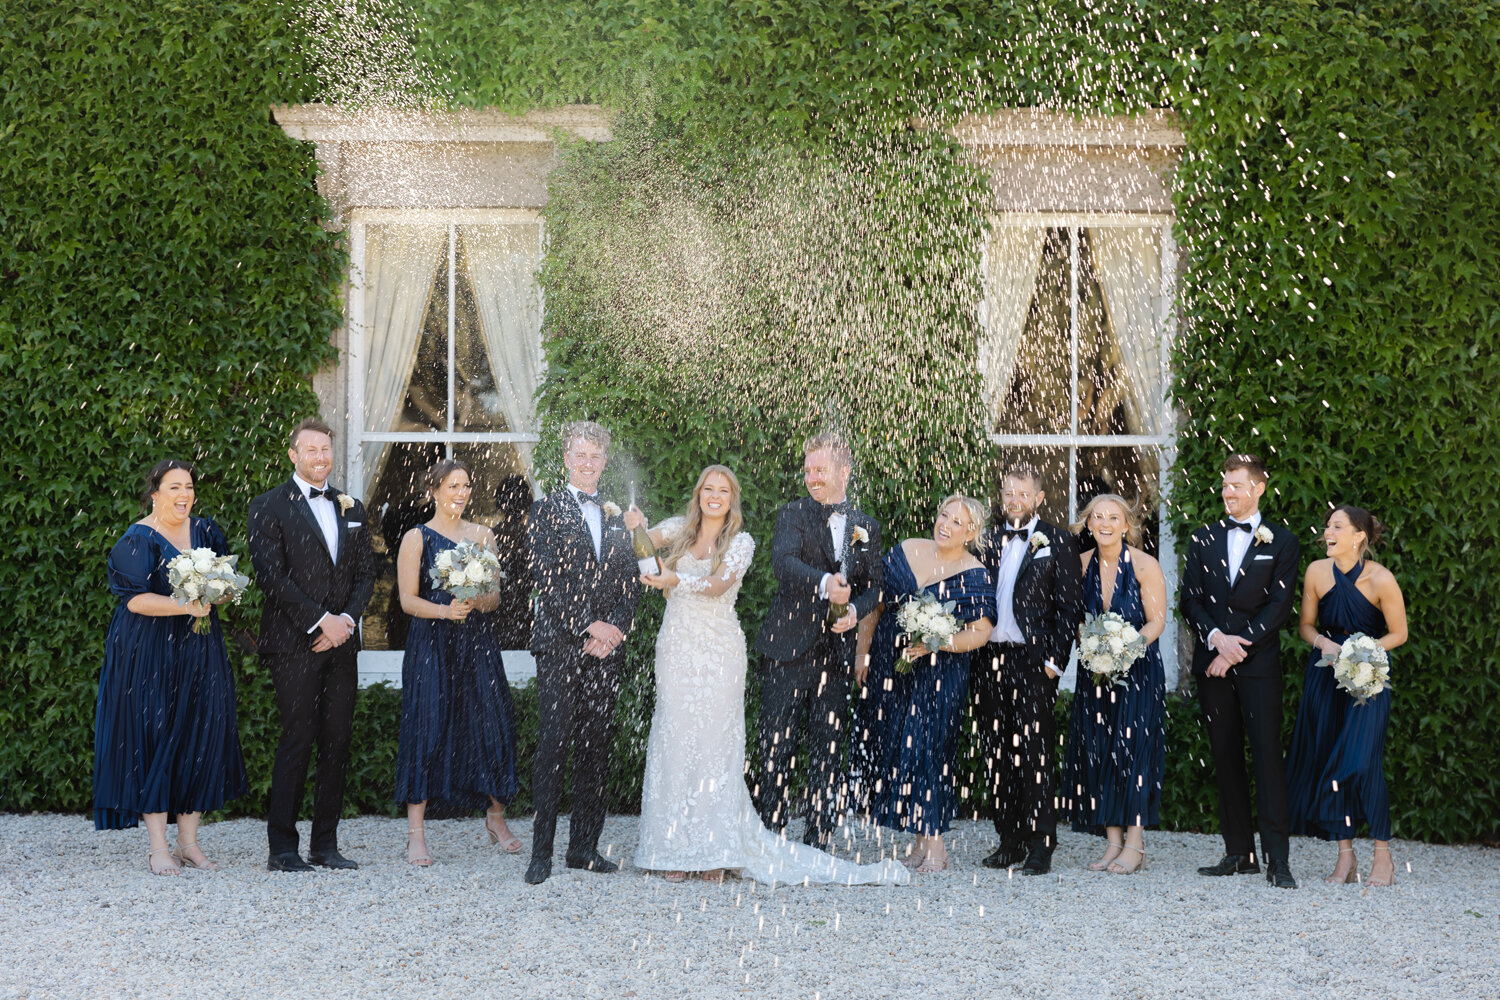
x: 842, y: 507
x: 314, y: 493
x: 1241, y: 526
x: 1010, y: 533
x: 584, y: 498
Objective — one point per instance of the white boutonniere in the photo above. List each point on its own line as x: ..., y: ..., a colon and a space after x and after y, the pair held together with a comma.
x: 611, y: 509
x: 1037, y: 540
x: 345, y: 502
x: 1263, y: 535
x: 859, y: 536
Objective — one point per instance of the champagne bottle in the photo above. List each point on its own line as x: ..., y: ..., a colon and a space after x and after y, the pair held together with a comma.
x: 835, y: 612
x: 645, y: 552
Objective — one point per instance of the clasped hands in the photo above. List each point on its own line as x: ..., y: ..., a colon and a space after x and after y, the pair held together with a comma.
x: 1231, y: 650
x: 602, y: 639
x: 333, y: 631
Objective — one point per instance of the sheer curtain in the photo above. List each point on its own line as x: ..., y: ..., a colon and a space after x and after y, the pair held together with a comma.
x: 400, y: 261
x: 1128, y: 261
x: 1011, y: 259
x: 502, y: 262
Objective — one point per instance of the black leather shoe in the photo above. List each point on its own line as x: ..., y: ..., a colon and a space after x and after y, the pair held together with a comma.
x: 1005, y: 857
x: 331, y: 859
x: 594, y: 862
x: 1279, y: 874
x: 1233, y: 864
x: 1038, y: 862
x: 288, y: 862
x: 539, y: 870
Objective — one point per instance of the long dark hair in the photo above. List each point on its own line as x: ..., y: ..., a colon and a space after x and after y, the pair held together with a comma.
x: 158, y: 472
x: 1363, y: 521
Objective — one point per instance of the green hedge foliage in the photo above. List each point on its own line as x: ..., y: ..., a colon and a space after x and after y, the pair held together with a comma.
x: 166, y: 288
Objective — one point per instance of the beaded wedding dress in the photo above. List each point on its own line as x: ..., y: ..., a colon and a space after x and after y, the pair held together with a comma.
x: 696, y: 813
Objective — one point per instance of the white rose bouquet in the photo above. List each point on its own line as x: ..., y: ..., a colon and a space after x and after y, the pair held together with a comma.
x: 203, y: 576
x: 466, y: 571
x: 1362, y: 667
x: 927, y: 622
x: 1108, y: 645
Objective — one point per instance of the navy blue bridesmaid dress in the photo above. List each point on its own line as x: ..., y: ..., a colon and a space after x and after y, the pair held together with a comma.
x: 457, y: 741
x: 1335, y: 770
x: 1116, y: 753
x: 907, y: 724
x: 166, y: 738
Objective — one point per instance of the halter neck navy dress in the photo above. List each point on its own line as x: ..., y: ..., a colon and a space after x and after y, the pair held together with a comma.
x: 166, y: 739
x: 1335, y: 770
x: 906, y: 725
x: 458, y: 743
x: 1116, y: 752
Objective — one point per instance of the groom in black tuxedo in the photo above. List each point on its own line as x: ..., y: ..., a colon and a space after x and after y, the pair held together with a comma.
x: 311, y: 550
x: 1237, y: 592
x: 580, y: 558
x: 823, y: 553
x: 1039, y: 603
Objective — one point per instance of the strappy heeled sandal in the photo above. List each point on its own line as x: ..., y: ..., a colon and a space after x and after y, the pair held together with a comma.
x: 1101, y: 864
x: 713, y: 875
x: 1352, y: 876
x: 674, y: 876
x: 1387, y: 882
x: 1116, y: 868
x: 169, y: 869
x: 931, y: 866
x: 187, y: 862
x: 495, y: 837
x: 424, y: 859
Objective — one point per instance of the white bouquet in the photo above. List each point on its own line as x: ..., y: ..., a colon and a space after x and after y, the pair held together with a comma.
x: 1108, y: 645
x: 927, y: 622
x: 467, y: 570
x: 1362, y: 667
x: 203, y: 576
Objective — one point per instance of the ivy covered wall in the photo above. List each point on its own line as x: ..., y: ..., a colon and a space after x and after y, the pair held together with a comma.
x: 165, y: 288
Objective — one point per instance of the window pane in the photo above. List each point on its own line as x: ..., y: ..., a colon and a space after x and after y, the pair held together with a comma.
x: 1041, y: 381
x: 1127, y: 472
x: 1120, y: 375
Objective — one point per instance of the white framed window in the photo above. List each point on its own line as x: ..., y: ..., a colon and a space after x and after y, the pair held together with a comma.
x: 444, y: 358
x: 1078, y: 322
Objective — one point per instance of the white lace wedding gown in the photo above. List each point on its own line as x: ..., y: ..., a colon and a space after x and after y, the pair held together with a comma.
x: 696, y: 813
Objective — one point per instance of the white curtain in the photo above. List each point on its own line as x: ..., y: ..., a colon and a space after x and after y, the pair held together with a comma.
x: 1010, y: 263
x: 400, y: 262
x: 1129, y: 264
x: 503, y: 261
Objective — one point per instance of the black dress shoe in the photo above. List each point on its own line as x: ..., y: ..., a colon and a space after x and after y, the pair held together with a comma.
x: 594, y: 862
x: 1037, y: 863
x: 1279, y: 874
x: 331, y: 859
x: 539, y: 870
x: 1005, y: 857
x: 1233, y: 864
x: 288, y: 862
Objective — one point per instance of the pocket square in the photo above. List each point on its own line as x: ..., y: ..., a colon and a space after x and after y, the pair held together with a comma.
x: 1042, y: 553
x: 1259, y: 558
x: 355, y: 524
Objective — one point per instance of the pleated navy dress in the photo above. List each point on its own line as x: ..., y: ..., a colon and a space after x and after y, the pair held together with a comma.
x: 1116, y: 752
x: 906, y: 725
x: 457, y: 741
x: 1335, y: 770
x: 166, y: 738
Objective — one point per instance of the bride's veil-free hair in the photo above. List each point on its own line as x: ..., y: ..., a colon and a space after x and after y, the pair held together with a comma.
x: 733, y: 521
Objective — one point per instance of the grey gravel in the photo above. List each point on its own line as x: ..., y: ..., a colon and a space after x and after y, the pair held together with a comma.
x: 81, y: 917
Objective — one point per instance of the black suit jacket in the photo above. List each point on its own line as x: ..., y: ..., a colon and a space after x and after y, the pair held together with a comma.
x: 1048, y: 597
x: 801, y: 552
x: 575, y: 588
x: 300, y: 579
x: 1254, y: 608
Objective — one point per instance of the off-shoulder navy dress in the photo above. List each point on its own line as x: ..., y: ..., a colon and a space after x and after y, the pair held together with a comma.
x: 165, y: 734
x: 1335, y: 770
x: 907, y: 724
x: 1116, y: 754
x: 457, y: 741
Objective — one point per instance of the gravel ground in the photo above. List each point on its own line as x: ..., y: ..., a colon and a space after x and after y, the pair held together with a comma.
x: 80, y: 917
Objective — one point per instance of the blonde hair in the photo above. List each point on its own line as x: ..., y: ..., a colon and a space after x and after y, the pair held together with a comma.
x: 979, y: 515
x: 836, y: 445
x: 587, y: 430
x: 1132, y: 517
x: 733, y: 521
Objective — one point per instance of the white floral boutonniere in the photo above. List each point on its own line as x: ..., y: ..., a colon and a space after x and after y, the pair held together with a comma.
x: 345, y: 502
x: 1263, y: 535
x: 1037, y: 540
x: 611, y: 509
x: 859, y: 536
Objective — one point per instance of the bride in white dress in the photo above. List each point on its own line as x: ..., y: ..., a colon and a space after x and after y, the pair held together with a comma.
x: 696, y: 813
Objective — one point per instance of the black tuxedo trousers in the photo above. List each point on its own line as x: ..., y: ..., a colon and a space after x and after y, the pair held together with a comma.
x: 576, y: 694
x: 807, y: 694
x: 1015, y: 703
x: 315, y: 694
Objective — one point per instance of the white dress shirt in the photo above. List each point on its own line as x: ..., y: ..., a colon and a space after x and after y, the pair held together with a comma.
x: 593, y: 517
x: 837, y: 521
x: 1007, y: 629
x: 328, y: 520
x: 1239, y: 547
